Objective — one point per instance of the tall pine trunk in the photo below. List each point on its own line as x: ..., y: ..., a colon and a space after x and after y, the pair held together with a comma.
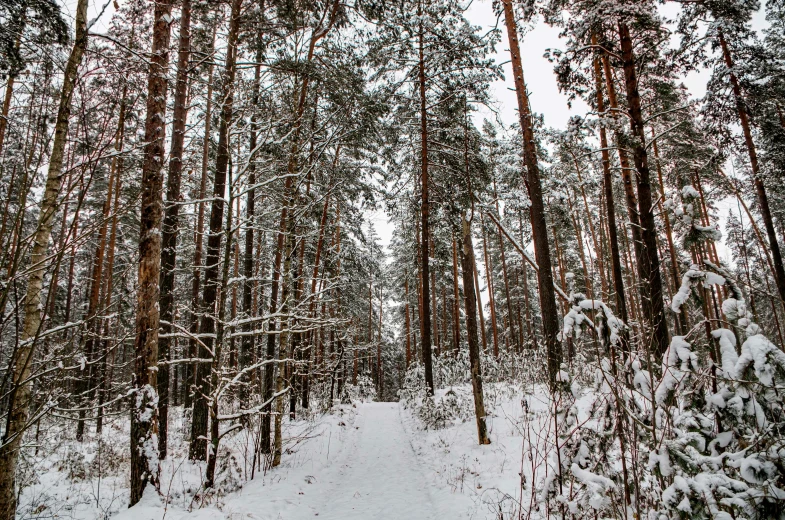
x: 144, y: 409
x: 760, y: 188
x: 537, y: 208
x: 246, y: 348
x: 651, y: 288
x: 610, y: 204
x: 196, y: 286
x: 470, y: 299
x: 424, y: 216
x: 171, y: 224
x: 198, y: 448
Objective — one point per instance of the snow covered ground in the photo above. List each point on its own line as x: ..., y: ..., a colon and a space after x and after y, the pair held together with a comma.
x: 362, y: 461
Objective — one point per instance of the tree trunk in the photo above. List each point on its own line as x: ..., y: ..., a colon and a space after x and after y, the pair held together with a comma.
x: 681, y: 325
x: 144, y: 410
x: 117, y: 168
x: 408, y: 326
x: 215, y: 365
x: 425, y: 210
x: 626, y: 172
x: 479, y: 308
x: 610, y: 205
x: 467, y: 267
x: 171, y: 224
x: 316, y: 35
x: 651, y: 288
x: 86, y: 383
x: 760, y: 188
x: 592, y: 232
x: 491, y: 297
x: 379, y: 345
x: 283, y: 341
x: 20, y: 396
x: 246, y: 348
x: 9, y: 90
x: 314, y: 278
x: 270, y: 368
x: 435, y: 309
x: 190, y: 376
x: 537, y: 208
x: 456, y: 321
x: 525, y: 288
x: 198, y: 448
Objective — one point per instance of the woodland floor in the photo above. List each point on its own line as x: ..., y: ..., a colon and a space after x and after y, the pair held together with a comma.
x: 376, y: 475
x: 373, y: 461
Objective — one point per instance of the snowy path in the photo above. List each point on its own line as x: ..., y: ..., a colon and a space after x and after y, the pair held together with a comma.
x: 379, y: 477
x: 374, y: 476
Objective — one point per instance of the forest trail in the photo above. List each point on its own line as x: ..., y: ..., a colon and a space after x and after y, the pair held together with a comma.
x: 375, y: 474
x: 379, y: 476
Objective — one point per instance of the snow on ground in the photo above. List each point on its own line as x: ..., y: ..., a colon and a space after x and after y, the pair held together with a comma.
x: 361, y: 461
x: 486, y: 480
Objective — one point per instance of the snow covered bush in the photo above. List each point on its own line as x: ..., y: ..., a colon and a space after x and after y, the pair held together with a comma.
x: 364, y: 391
x: 587, y: 468
x: 720, y: 420
x: 455, y: 403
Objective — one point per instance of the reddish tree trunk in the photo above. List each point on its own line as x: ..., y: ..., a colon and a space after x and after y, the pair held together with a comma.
x: 144, y: 413
x: 537, y: 207
x: 649, y: 266
x: 425, y: 210
x: 760, y: 188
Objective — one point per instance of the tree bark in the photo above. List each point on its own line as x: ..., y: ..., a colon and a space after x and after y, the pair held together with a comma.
x: 610, y: 205
x: 86, y: 383
x: 512, y: 334
x: 270, y: 368
x: 408, y: 326
x: 470, y: 299
x: 681, y: 325
x: 9, y: 90
x: 631, y: 198
x: 246, y: 348
x: 456, y: 321
x: 117, y: 169
x: 537, y: 207
x: 479, y: 308
x: 20, y: 397
x: 171, y: 224
x: 314, y: 279
x: 215, y: 365
x: 144, y: 410
x: 198, y: 447
x: 760, y: 188
x: 491, y: 297
x: 425, y: 211
x: 651, y: 288
x: 196, y: 285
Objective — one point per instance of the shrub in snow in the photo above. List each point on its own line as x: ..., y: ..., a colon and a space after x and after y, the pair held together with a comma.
x: 413, y: 389
x: 438, y: 411
x: 585, y: 470
x: 229, y: 473
x: 584, y: 473
x: 73, y: 464
x: 364, y: 391
x: 721, y: 425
